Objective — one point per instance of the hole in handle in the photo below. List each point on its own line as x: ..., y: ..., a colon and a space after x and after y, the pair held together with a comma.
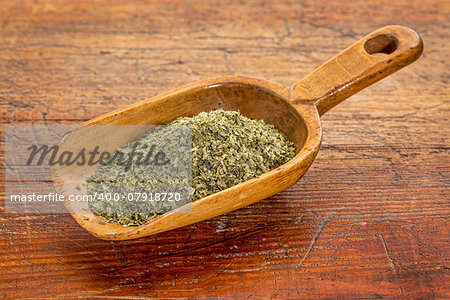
x: 382, y: 44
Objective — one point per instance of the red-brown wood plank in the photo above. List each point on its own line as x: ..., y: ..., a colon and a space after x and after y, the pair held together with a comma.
x: 370, y: 218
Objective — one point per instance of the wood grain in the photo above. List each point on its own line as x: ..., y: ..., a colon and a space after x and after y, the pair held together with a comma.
x: 369, y: 219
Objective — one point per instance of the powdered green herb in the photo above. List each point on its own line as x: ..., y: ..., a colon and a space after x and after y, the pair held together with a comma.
x: 227, y: 149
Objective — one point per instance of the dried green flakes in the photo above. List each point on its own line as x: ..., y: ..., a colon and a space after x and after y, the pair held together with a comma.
x: 227, y: 149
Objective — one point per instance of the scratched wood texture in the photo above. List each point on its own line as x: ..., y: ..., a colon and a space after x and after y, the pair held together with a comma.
x: 370, y: 218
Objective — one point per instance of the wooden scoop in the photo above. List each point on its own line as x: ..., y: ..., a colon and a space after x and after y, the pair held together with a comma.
x: 294, y: 110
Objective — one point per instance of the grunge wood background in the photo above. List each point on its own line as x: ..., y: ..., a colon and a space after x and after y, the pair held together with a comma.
x: 370, y: 218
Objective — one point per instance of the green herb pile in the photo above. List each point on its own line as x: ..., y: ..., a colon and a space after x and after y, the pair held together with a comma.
x: 227, y: 149
x: 230, y: 148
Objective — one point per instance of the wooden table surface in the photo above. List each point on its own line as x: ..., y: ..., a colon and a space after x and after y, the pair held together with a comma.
x: 369, y: 219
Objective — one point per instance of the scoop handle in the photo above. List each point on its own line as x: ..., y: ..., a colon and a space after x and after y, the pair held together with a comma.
x: 372, y: 58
